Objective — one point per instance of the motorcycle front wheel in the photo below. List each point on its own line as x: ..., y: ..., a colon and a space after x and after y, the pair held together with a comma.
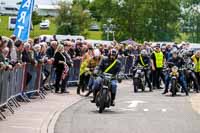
x: 102, y: 101
x: 173, y: 87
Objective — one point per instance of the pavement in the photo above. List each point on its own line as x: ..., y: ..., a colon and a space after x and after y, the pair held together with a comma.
x: 38, y: 116
x: 148, y: 112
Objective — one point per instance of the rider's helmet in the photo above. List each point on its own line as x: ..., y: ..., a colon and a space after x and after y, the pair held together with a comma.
x: 174, y: 53
x: 144, y: 52
x: 113, y: 53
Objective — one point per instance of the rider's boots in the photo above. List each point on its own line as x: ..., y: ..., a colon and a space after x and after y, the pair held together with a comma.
x: 113, y: 99
x: 78, y: 90
x: 94, y: 96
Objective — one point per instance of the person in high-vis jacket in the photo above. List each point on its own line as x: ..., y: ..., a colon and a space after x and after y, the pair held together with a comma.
x: 157, y: 64
x: 196, y: 61
x: 144, y: 61
x: 109, y: 65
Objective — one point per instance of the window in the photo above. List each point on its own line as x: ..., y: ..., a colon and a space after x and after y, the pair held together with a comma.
x: 13, y: 20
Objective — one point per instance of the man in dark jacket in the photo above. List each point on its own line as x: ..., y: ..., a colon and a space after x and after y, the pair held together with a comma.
x: 69, y: 62
x: 144, y: 61
x: 51, y: 50
x: 109, y: 65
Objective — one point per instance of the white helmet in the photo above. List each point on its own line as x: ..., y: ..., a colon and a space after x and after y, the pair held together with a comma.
x: 97, y: 53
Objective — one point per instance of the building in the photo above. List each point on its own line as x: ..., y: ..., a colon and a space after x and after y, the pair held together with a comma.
x: 11, y: 10
x: 47, y: 10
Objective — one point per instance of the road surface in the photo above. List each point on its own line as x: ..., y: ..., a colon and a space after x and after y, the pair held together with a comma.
x: 148, y: 112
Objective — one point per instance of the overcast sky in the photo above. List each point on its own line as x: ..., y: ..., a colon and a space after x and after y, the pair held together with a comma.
x: 13, y: 2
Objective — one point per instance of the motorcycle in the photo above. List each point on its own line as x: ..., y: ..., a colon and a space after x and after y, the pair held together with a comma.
x: 139, y: 78
x: 174, y: 74
x: 103, y: 98
x: 192, y: 81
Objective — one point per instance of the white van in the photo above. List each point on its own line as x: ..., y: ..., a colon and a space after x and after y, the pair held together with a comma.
x: 12, y: 23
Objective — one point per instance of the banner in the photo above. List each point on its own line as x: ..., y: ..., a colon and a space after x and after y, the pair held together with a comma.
x: 23, y: 23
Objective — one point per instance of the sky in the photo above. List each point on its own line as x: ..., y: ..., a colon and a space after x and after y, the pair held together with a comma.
x: 13, y: 2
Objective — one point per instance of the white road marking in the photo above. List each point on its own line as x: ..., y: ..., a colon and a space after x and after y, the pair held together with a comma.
x: 125, y: 109
x: 146, y: 110
x: 134, y: 104
x: 164, y: 110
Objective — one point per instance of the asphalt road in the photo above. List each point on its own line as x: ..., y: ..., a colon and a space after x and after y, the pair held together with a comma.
x: 134, y: 113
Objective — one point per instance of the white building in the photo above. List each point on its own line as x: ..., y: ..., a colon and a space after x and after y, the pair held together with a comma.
x: 47, y: 10
x: 9, y: 10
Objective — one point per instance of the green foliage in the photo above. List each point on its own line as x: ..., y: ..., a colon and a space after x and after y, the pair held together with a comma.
x: 72, y: 19
x: 36, y: 19
x: 191, y: 17
x: 34, y: 33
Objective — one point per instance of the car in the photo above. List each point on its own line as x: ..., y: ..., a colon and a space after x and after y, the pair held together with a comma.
x: 94, y: 27
x: 45, y: 24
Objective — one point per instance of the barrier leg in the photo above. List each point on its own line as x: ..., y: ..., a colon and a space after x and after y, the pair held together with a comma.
x: 16, y: 102
x: 9, y: 108
x: 26, y: 97
x: 23, y: 98
x: 2, y: 115
x: 43, y: 91
x: 12, y: 103
x: 40, y: 94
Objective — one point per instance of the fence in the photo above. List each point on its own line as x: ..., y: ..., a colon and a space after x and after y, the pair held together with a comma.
x: 127, y: 63
x: 22, y: 82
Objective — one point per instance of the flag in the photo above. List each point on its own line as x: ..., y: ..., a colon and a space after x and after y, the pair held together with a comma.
x: 23, y: 23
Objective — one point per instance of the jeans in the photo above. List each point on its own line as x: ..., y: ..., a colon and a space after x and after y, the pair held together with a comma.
x: 181, y: 81
x: 98, y: 82
x: 156, y: 75
x: 91, y: 83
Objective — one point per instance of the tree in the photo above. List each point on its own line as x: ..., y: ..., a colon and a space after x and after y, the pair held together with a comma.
x: 72, y: 19
x: 19, y: 3
x: 191, y: 19
x: 36, y: 19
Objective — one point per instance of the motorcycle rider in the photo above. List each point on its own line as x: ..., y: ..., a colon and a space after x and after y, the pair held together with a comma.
x: 144, y: 61
x: 110, y: 65
x: 175, y: 60
x: 196, y: 61
x: 92, y: 63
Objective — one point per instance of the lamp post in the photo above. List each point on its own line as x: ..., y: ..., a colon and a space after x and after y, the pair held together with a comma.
x: 109, y: 28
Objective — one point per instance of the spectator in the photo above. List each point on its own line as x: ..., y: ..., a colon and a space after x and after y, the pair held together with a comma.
x: 59, y: 64
x: 69, y: 62
x: 51, y: 50
x: 19, y: 49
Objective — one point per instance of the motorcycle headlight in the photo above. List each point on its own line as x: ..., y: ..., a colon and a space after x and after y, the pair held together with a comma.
x: 174, y: 69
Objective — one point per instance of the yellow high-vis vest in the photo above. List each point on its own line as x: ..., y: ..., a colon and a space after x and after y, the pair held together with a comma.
x: 159, y: 59
x: 143, y: 61
x: 196, y: 64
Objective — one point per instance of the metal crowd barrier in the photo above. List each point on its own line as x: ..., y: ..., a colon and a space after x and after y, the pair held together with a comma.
x: 10, y: 87
x: 127, y: 63
x: 34, y: 84
x: 14, y: 85
x: 27, y: 81
x: 74, y: 72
